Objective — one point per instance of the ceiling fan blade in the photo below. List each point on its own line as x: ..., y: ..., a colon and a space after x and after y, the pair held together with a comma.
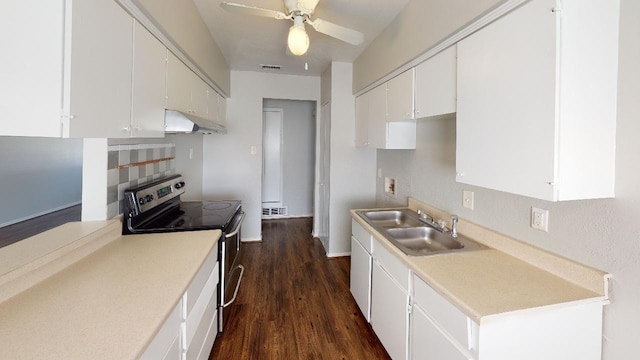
x: 350, y: 36
x: 251, y: 10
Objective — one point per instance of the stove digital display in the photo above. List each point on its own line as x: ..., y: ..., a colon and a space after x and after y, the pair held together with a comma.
x: 162, y: 192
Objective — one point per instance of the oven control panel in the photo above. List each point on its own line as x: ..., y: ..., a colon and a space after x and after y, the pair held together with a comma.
x: 147, y: 197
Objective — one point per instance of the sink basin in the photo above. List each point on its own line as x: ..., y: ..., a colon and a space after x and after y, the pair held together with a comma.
x: 423, y: 239
x: 391, y: 218
x: 404, y: 229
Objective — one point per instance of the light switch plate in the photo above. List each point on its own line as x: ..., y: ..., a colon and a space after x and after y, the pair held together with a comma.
x: 540, y: 219
x: 467, y: 199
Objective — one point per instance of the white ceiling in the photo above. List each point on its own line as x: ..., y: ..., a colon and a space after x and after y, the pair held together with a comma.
x: 249, y: 41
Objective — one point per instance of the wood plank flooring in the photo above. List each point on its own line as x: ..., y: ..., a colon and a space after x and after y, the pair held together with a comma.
x: 24, y: 229
x: 294, y: 303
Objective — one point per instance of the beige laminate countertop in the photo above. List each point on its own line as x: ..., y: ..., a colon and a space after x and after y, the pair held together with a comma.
x: 107, y: 305
x: 488, y: 283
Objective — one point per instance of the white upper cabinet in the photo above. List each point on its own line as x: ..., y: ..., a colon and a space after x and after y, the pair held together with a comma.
x: 373, y: 127
x: 377, y: 117
x: 98, y: 73
x: 400, y: 96
x: 178, y: 85
x: 222, y: 110
x: 188, y: 93
x: 31, y: 71
x: 199, y: 90
x: 213, y: 111
x: 149, y: 100
x: 537, y: 92
x: 70, y: 75
x: 362, y: 121
x: 435, y: 87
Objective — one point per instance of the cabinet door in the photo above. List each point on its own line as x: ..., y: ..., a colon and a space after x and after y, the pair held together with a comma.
x: 377, y: 114
x: 222, y: 110
x: 436, y: 84
x: 428, y: 342
x: 100, y: 55
x: 178, y: 85
x: 149, y: 101
x: 213, y: 111
x: 360, y: 279
x: 400, y: 97
x: 198, y: 95
x: 362, y: 121
x: 506, y: 116
x: 389, y: 315
x: 31, y: 71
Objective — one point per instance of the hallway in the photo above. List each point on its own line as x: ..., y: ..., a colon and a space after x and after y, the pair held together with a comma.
x: 294, y: 303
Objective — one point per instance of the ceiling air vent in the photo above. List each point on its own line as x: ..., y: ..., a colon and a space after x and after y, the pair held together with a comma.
x: 270, y: 67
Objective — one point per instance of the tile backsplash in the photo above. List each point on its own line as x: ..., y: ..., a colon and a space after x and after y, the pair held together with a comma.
x: 132, y: 165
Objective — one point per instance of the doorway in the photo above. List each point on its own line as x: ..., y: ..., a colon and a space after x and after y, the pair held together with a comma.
x: 288, y: 164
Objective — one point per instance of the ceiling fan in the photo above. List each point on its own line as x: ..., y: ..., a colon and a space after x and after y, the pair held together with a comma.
x: 300, y: 11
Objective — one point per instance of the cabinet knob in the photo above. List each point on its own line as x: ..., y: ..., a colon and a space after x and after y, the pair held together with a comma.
x: 126, y: 128
x: 459, y: 174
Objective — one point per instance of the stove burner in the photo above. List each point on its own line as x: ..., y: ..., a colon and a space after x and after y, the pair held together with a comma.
x: 217, y: 205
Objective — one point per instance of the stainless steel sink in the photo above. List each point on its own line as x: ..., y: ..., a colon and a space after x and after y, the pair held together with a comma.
x: 404, y: 229
x: 391, y: 218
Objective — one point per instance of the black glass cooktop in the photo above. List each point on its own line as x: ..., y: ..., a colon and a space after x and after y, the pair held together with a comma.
x: 196, y: 215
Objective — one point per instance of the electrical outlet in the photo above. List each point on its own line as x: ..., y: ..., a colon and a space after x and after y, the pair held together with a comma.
x: 540, y: 219
x: 253, y: 150
x: 467, y: 199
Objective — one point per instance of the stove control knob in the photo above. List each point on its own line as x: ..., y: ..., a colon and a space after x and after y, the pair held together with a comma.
x: 148, y: 198
x: 179, y: 184
x: 141, y: 201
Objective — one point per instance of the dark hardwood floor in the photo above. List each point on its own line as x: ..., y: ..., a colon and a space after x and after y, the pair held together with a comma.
x: 294, y: 303
x: 22, y: 230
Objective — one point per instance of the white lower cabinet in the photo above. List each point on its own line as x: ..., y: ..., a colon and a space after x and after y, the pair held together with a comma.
x: 360, y: 279
x: 390, y: 301
x: 192, y: 326
x: 439, y: 331
x: 389, y: 316
x: 429, y: 342
x: 413, y: 321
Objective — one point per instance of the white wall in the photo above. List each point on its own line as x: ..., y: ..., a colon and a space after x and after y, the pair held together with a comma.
x: 230, y: 171
x: 352, y: 173
x: 40, y: 175
x: 421, y: 25
x: 601, y: 233
x: 298, y: 154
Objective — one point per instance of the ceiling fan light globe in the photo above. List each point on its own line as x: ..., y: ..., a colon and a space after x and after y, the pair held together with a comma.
x: 298, y: 40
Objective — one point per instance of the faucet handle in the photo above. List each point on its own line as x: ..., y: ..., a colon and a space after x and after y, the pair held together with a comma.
x: 454, y: 225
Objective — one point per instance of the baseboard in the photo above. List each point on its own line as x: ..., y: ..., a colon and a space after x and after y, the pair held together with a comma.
x: 332, y: 255
x: 251, y: 240
x: 29, y: 217
x: 279, y: 217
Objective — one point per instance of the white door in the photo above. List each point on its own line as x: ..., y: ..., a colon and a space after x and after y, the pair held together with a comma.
x: 321, y: 216
x: 360, y: 277
x: 272, y: 158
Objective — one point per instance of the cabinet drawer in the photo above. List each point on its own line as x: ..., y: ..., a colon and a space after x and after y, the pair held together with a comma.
x: 450, y: 320
x: 362, y: 235
x: 206, y: 299
x: 198, y: 283
x: 391, y: 264
x: 205, y: 334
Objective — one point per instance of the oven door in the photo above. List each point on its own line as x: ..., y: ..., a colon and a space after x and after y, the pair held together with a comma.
x: 230, y: 270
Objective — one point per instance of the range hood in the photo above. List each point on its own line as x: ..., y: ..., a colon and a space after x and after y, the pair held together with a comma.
x: 179, y: 122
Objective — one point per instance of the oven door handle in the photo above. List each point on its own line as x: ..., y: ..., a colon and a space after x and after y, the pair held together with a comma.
x: 235, y: 292
x: 235, y: 231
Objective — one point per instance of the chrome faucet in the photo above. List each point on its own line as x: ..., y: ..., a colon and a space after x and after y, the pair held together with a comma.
x: 454, y: 226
